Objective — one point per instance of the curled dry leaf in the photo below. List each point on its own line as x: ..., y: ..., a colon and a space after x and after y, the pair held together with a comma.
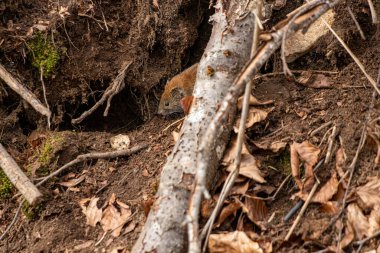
x: 369, y: 194
x: 314, y: 81
x: 234, y: 242
x: 115, y: 218
x: 207, y: 207
x: 340, y: 159
x: 256, y: 211
x: 359, y: 226
x: 239, y: 188
x: 308, y: 153
x: 73, y: 182
x: 227, y: 211
x: 92, y: 212
x: 274, y: 146
x: 254, y: 116
x: 249, y: 167
x: 363, y: 216
x: 327, y: 191
x: 230, y: 153
x: 253, y: 101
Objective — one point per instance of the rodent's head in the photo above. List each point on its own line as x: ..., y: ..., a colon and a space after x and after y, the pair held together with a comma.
x: 170, y: 101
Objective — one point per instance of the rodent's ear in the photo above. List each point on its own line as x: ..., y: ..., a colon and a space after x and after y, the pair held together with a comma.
x: 177, y: 93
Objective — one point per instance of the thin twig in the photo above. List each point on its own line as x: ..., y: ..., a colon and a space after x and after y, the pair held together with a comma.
x: 330, y: 144
x: 172, y: 124
x: 95, y: 155
x: 305, y: 205
x: 373, y: 11
x: 116, y: 86
x: 27, y: 95
x: 314, y: 132
x: 356, y: 23
x: 362, y: 242
x: 13, y: 220
x: 44, y: 93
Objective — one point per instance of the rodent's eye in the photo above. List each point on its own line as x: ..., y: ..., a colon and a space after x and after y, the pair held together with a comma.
x: 166, y: 103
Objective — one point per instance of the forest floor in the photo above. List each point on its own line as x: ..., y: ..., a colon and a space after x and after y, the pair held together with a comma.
x: 95, y: 39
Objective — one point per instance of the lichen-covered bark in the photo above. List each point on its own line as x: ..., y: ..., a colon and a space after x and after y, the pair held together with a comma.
x: 227, y: 51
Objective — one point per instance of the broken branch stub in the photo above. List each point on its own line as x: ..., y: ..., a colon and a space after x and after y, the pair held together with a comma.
x: 18, y: 178
x: 227, y: 51
x: 26, y: 94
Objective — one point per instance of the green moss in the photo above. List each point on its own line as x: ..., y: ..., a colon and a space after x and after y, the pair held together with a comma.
x: 43, y: 54
x: 47, y: 150
x: 31, y: 212
x: 284, y: 163
x: 6, y: 187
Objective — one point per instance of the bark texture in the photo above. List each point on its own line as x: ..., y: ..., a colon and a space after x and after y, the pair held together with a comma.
x: 226, y: 53
x: 17, y: 177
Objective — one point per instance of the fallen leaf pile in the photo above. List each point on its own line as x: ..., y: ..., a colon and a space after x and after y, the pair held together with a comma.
x: 112, y: 219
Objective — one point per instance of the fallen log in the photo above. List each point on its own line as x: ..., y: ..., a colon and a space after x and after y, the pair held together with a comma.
x: 227, y: 50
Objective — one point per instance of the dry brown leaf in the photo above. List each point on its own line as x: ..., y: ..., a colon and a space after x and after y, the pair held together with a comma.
x: 73, y: 182
x: 92, y: 212
x: 227, y: 211
x: 314, y: 81
x: 207, y: 207
x: 308, y: 153
x: 234, y: 242
x: 230, y: 153
x: 340, y: 159
x: 369, y: 194
x: 113, y: 219
x: 267, y: 189
x: 256, y: 210
x: 239, y: 189
x: 118, y: 249
x: 249, y: 167
x: 254, y: 116
x: 274, y: 146
x: 330, y: 207
x: 327, y: 191
x: 131, y: 226
x: 253, y: 101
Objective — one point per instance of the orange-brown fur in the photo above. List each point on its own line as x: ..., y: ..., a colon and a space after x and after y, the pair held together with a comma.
x: 177, y: 88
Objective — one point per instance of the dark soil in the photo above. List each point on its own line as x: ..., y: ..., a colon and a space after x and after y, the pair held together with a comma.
x: 160, y: 42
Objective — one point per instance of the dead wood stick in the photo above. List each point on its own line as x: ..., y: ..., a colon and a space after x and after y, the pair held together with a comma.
x: 305, y: 205
x: 13, y: 220
x: 226, y: 52
x: 356, y: 23
x: 240, y: 141
x: 216, y: 126
x: 26, y: 94
x: 95, y: 155
x: 18, y: 178
x: 115, y: 87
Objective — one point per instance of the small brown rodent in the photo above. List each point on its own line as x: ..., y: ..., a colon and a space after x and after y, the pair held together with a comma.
x: 178, y: 88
